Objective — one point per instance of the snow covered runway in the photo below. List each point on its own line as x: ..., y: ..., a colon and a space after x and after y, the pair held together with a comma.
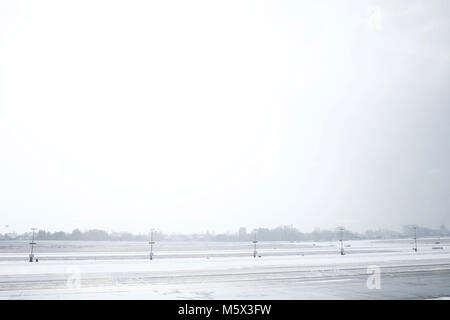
x: 224, y: 271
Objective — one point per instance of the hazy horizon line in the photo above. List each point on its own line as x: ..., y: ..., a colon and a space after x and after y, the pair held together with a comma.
x: 8, y: 230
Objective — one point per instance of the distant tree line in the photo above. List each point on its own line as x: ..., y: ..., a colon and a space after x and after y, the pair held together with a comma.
x: 290, y: 233
x: 90, y: 235
x: 281, y: 233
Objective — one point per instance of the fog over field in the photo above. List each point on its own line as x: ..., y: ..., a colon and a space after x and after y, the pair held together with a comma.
x: 205, y: 115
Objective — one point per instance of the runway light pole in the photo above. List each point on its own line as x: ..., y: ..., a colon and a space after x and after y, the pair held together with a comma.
x: 254, y: 248
x: 415, y: 239
x: 32, y: 244
x: 151, y: 244
x: 342, y: 241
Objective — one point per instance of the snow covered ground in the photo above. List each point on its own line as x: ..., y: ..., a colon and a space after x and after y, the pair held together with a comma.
x: 199, y: 270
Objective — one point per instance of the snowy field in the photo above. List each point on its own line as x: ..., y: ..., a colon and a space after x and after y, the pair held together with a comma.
x: 212, y: 270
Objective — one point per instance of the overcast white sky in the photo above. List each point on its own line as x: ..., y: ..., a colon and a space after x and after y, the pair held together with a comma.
x: 205, y: 115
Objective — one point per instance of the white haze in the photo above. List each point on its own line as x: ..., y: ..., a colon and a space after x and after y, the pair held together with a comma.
x: 210, y: 115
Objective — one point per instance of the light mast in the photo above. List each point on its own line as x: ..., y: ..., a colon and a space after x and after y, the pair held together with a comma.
x: 342, y: 240
x: 32, y: 244
x: 151, y: 242
x: 254, y: 248
x: 415, y: 239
